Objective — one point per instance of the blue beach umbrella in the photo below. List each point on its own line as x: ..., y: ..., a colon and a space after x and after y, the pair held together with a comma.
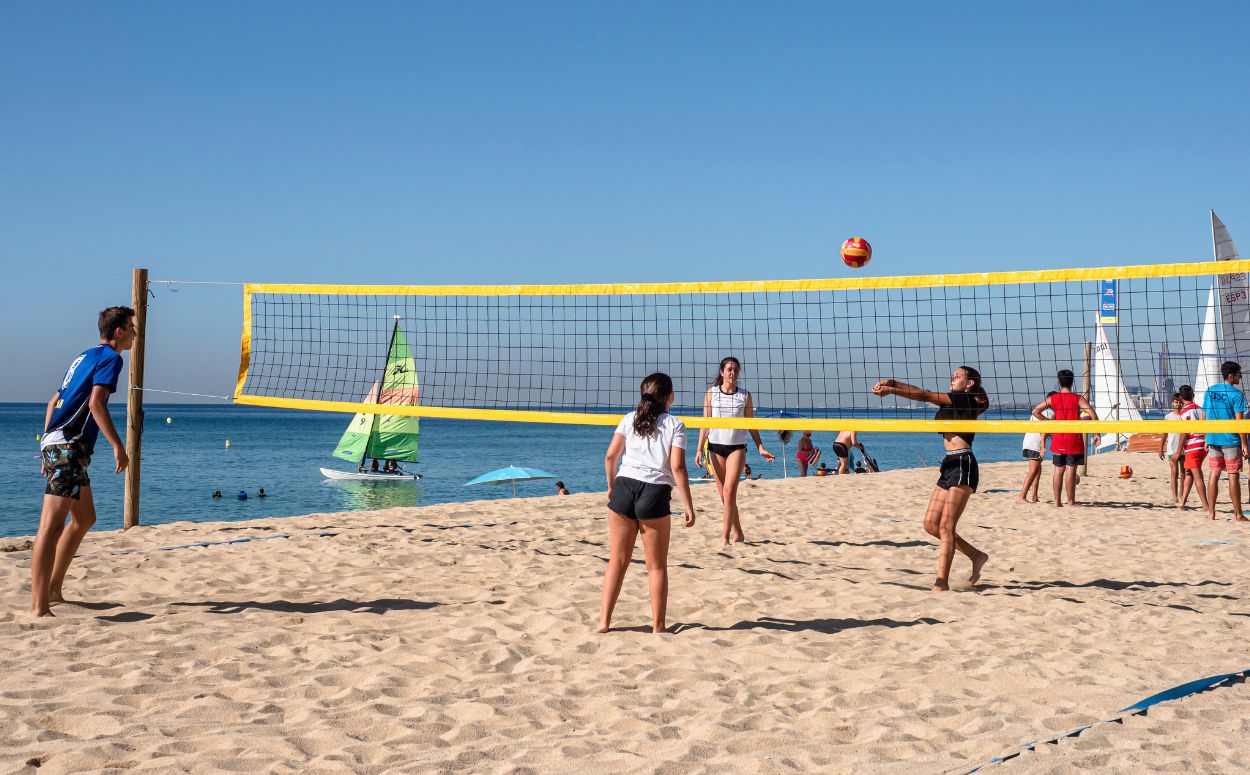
x: 510, y: 475
x: 782, y: 414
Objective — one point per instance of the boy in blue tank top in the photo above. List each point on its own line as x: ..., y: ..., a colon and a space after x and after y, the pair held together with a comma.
x: 77, y: 415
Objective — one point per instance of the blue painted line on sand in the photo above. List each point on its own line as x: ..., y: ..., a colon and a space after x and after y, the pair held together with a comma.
x: 1137, y: 708
x: 236, y: 541
x: 1209, y: 541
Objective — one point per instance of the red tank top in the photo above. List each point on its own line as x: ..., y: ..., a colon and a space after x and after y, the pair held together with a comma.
x: 1067, y: 406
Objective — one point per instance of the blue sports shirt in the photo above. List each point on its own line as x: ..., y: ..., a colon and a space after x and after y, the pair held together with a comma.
x: 1222, y: 402
x: 71, y: 418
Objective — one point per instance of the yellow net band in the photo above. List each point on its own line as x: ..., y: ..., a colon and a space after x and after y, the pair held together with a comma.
x: 768, y: 424
x: 1194, y: 269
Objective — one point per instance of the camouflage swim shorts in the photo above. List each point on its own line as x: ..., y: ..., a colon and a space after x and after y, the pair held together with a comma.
x: 65, y: 468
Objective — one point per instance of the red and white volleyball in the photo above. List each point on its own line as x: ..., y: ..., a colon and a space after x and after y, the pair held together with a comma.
x: 856, y: 252
x: 1126, y: 472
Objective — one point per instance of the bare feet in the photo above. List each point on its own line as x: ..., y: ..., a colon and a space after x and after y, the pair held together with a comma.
x: 603, y: 627
x: 658, y: 629
x: 1240, y: 518
x: 978, y: 563
x: 35, y: 613
x: 740, y: 539
x: 56, y: 596
x: 940, y: 586
x: 1033, y: 499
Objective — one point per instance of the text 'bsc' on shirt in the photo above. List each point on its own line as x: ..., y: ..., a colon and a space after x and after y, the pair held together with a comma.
x: 71, y: 418
x: 1223, y: 402
x: 647, y: 457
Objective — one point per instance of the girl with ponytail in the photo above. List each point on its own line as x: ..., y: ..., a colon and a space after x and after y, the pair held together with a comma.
x: 960, y: 474
x: 646, y: 458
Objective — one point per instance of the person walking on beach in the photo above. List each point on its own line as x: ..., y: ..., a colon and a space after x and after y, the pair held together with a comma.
x: 1068, y: 449
x: 727, y: 446
x: 807, y: 454
x: 966, y: 400
x: 842, y: 448
x: 1191, y: 448
x: 1033, y: 451
x: 650, y: 447
x: 1226, y: 450
x: 76, y: 416
x: 1175, y: 466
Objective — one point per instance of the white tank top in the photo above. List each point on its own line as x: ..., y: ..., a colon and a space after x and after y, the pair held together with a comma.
x: 728, y: 405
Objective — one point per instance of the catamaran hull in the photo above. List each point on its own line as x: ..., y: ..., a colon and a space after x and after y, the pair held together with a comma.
x: 367, y: 476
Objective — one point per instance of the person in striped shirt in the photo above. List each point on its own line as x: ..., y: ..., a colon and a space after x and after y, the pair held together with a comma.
x: 1193, y: 448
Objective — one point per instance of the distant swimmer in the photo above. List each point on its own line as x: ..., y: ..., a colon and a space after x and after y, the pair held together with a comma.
x: 561, y: 489
x: 217, y: 493
x: 76, y: 415
x: 807, y: 454
x: 261, y: 494
x: 649, y: 445
x: 242, y: 495
x: 966, y: 400
x: 727, y: 446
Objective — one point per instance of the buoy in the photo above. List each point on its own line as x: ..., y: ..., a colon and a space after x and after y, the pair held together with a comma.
x: 227, y: 443
x: 37, y: 437
x: 169, y: 421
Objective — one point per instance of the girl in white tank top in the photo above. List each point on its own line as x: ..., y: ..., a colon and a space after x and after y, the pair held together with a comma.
x: 726, y: 447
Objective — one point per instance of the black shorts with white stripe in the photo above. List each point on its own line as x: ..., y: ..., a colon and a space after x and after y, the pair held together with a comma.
x: 959, y: 469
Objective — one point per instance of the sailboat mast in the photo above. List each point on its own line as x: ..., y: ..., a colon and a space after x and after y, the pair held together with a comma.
x: 390, y: 345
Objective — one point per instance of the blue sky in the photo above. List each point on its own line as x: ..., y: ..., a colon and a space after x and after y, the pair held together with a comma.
x: 585, y: 142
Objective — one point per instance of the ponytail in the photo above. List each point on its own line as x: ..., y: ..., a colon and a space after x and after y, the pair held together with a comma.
x: 655, y: 390
x: 977, y: 391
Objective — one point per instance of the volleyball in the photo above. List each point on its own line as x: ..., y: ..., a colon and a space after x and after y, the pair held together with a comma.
x: 856, y: 252
x: 1126, y: 472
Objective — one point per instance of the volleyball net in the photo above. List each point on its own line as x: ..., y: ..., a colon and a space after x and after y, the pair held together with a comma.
x: 810, y: 349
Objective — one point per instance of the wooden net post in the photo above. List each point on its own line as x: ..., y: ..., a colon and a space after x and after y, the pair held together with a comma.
x: 134, y: 399
x: 1089, y: 353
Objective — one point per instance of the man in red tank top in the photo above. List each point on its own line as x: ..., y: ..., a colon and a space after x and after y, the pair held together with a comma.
x: 1068, y: 448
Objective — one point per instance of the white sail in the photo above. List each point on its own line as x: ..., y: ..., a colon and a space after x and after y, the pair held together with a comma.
x: 1109, y: 398
x: 1234, y: 294
x: 1208, y: 352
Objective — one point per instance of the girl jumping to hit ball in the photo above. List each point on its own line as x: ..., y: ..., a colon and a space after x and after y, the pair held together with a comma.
x: 966, y: 400
x: 652, y: 443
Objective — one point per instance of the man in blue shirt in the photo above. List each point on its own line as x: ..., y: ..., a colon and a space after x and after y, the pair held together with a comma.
x: 77, y: 415
x: 1225, y: 450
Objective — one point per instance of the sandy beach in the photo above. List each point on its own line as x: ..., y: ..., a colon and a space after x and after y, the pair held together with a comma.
x: 457, y: 638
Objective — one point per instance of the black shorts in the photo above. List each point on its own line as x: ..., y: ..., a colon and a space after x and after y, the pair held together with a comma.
x: 1068, y: 460
x: 65, y: 468
x: 640, y: 500
x: 1031, y: 454
x: 841, y: 449
x: 725, y: 450
x: 959, y: 469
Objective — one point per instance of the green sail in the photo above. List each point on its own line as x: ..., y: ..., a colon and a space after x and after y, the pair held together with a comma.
x: 387, y: 436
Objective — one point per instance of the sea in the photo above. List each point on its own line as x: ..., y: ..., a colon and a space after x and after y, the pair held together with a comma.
x: 190, y: 451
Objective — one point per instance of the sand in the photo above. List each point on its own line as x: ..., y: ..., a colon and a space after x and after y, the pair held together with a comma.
x: 457, y: 638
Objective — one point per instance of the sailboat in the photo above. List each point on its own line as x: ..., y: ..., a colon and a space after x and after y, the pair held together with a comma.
x: 1227, y: 316
x: 386, y: 437
x: 1109, y: 397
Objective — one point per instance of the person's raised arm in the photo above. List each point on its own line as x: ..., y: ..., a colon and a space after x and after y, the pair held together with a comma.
x: 703, y: 432
x: 892, y: 387
x: 677, y: 461
x: 749, y: 411
x: 98, y: 403
x: 613, y: 456
x: 1043, y: 406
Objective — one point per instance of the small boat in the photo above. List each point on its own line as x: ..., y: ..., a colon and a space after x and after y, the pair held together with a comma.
x: 367, y: 476
x: 384, y: 437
